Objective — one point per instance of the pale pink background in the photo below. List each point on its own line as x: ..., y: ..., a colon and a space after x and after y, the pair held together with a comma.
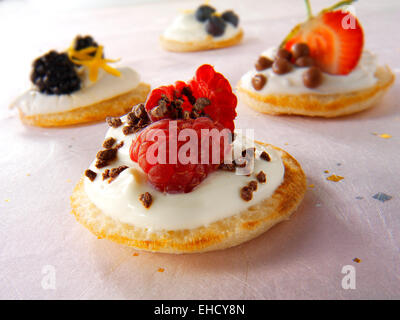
x: 301, y: 258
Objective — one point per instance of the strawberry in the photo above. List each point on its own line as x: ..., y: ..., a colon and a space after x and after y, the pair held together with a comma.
x: 335, y: 50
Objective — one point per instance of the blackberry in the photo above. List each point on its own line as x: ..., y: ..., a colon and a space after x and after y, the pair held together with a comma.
x: 215, y: 26
x: 84, y: 42
x: 231, y: 17
x: 54, y: 73
x: 204, y: 12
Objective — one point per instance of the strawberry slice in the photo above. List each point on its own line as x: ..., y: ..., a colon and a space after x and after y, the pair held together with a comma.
x: 335, y: 38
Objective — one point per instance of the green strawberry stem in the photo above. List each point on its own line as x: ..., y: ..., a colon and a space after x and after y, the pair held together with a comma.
x: 338, y: 5
x: 308, y: 6
x: 290, y: 35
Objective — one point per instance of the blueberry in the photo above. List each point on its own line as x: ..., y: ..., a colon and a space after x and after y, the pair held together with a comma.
x: 215, y: 26
x: 204, y: 12
x: 230, y: 16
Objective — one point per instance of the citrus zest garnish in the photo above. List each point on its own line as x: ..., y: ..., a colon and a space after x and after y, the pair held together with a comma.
x: 334, y: 178
x: 93, y: 63
x: 186, y: 11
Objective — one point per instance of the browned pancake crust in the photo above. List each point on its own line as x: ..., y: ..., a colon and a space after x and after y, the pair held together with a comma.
x: 222, y: 234
x: 208, y: 44
x: 114, y: 107
x: 321, y: 105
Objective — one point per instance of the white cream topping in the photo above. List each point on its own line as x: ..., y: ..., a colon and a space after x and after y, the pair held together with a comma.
x: 217, y: 197
x: 186, y: 28
x: 363, y: 76
x: 106, y: 87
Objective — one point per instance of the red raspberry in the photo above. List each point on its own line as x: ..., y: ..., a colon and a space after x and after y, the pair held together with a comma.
x: 175, y: 175
x: 206, y: 84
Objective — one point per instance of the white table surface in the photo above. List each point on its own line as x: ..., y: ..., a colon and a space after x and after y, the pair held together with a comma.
x: 301, y: 258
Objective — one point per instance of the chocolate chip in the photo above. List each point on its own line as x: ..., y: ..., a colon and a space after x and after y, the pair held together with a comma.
x: 146, y: 199
x: 114, y: 122
x: 300, y: 50
x: 265, y: 156
x: 246, y: 193
x: 253, y: 185
x: 312, y: 77
x: 106, y: 174
x: 90, y: 174
x: 258, y: 81
x: 263, y: 63
x: 108, y: 143
x: 201, y: 103
x: 305, y: 62
x: 227, y: 167
x: 107, y: 155
x: 261, y: 177
x: 284, y: 54
x: 281, y: 66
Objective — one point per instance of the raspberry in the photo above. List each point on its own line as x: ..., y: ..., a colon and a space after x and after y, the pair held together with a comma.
x: 179, y: 101
x: 176, y: 173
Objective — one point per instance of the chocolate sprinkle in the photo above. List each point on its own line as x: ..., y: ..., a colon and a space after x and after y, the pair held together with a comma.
x: 146, y: 199
x: 246, y: 193
x: 261, y: 177
x: 240, y: 163
x: 227, y: 167
x: 265, y: 156
x: 90, y: 174
x: 249, y: 151
x: 119, y: 145
x: 114, y: 122
x: 140, y: 112
x: 201, y: 103
x: 107, y: 155
x: 127, y: 130
x: 101, y: 163
x: 108, y: 143
x: 106, y: 174
x: 253, y: 185
x: 116, y: 171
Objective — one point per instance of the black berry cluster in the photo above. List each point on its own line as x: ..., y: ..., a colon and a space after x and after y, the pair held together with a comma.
x: 54, y: 73
x: 82, y: 42
x: 215, y: 25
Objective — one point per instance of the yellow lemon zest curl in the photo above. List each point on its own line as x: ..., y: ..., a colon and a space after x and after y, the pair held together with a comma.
x: 93, y: 63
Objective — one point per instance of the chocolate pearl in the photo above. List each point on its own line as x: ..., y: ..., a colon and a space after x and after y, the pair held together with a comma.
x: 263, y: 63
x: 258, y: 81
x: 283, y: 53
x: 300, y: 50
x: 281, y: 66
x: 305, y: 62
x: 312, y: 77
